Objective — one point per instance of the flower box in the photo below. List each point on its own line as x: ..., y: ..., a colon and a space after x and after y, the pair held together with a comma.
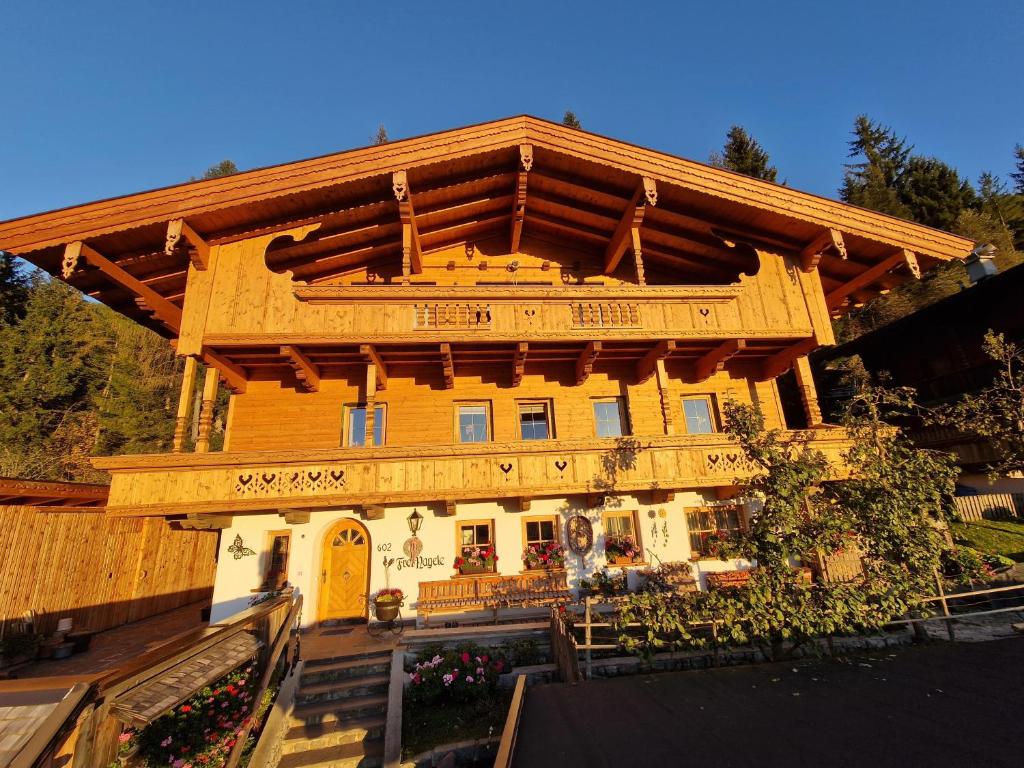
x: 474, y: 560
x: 471, y: 570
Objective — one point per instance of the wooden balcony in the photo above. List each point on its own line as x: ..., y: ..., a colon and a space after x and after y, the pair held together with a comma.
x: 175, y: 484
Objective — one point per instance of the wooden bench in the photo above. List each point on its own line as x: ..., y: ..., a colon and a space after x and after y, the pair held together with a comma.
x: 740, y: 578
x: 477, y: 593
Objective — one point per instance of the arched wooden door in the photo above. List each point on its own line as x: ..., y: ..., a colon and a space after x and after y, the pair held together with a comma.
x: 345, y: 572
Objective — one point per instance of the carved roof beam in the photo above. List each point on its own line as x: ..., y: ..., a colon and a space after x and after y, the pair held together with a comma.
x: 780, y: 362
x: 164, y: 310
x: 646, y: 194
x: 198, y: 253
x: 412, y: 254
x: 305, y: 371
x: 585, y: 363
x: 830, y: 239
x: 232, y: 375
x: 448, y: 365
x: 369, y: 353
x: 869, y: 276
x: 519, y: 364
x: 646, y: 367
x: 519, y: 201
x: 715, y: 360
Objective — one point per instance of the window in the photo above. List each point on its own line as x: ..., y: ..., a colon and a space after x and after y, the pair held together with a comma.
x: 610, y: 417
x: 473, y: 423
x: 621, y: 542
x: 475, y: 547
x: 705, y: 521
x: 699, y: 412
x: 355, y: 425
x: 276, y: 576
x: 534, y: 421
x: 540, y: 530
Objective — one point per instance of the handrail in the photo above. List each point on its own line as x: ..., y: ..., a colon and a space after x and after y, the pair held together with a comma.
x: 507, y: 745
x: 50, y: 727
x: 393, y: 724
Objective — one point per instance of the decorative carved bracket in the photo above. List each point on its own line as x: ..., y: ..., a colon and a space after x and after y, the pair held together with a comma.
x: 448, y: 365
x: 305, y: 371
x: 199, y: 252
x: 369, y: 353
x: 585, y: 363
x: 627, y: 233
x: 830, y: 239
x: 519, y: 199
x: 646, y: 367
x: 519, y: 364
x: 715, y: 360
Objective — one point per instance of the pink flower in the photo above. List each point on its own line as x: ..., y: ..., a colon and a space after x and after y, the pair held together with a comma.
x: 166, y: 742
x: 469, y: 679
x: 125, y: 737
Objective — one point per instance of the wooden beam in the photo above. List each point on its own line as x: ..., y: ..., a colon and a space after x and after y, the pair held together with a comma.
x: 519, y: 199
x: 373, y: 512
x: 662, y: 496
x: 808, y: 392
x: 829, y: 239
x: 666, y: 398
x: 646, y: 193
x: 206, y: 522
x: 412, y: 253
x: 233, y: 375
x: 305, y: 371
x: 185, y: 398
x: 199, y: 253
x: 715, y: 360
x: 865, y: 278
x: 164, y: 310
x: 646, y: 367
x: 295, y: 516
x: 585, y: 363
x: 779, y: 363
x: 638, y: 257
x: 525, y: 503
x: 449, y: 507
x: 519, y: 364
x: 369, y: 353
x: 448, y: 365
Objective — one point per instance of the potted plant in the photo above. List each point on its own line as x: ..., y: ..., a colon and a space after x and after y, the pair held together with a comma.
x: 387, y: 602
x: 128, y: 746
x: 545, y: 555
x: 18, y: 648
x: 476, y: 560
x: 622, y: 550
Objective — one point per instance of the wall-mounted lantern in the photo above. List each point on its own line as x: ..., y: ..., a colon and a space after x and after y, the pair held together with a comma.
x: 415, y: 520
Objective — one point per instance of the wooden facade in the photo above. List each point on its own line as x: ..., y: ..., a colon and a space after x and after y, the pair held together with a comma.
x: 585, y: 305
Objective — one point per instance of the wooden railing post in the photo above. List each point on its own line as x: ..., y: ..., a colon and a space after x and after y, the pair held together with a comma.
x: 945, y: 607
x: 588, y: 636
x: 188, y: 384
x: 206, y: 411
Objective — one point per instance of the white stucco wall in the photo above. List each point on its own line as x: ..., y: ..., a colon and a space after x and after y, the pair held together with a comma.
x: 237, y: 578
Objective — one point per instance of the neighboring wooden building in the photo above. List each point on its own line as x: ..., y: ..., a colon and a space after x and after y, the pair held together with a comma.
x: 938, y: 351
x: 501, y: 327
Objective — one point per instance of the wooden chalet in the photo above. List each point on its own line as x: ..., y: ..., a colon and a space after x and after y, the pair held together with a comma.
x: 468, y: 339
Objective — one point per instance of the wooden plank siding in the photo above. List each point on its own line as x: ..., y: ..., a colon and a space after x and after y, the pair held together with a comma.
x: 100, y: 570
x: 990, y: 506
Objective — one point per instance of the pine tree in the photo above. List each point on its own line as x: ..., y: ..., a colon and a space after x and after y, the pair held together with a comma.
x: 743, y: 154
x: 13, y: 289
x: 1018, y: 175
x: 381, y: 137
x: 933, y: 192
x: 872, y: 181
x: 223, y: 168
x: 570, y: 120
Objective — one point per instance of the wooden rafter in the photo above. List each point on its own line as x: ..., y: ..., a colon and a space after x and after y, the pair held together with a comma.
x: 646, y: 367
x: 233, y: 375
x: 448, y: 365
x: 369, y: 353
x: 585, y: 363
x: 164, y: 311
x: 412, y: 254
x: 837, y: 295
x: 519, y: 365
x: 198, y: 253
x: 715, y: 360
x: 305, y: 371
x: 830, y: 239
x: 780, y: 362
x: 646, y: 193
x: 519, y: 201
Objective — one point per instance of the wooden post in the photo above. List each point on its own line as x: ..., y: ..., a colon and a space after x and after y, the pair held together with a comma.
x: 588, y: 636
x: 666, y: 399
x: 188, y: 383
x: 945, y: 607
x: 206, y: 412
x: 808, y: 392
x: 371, y: 396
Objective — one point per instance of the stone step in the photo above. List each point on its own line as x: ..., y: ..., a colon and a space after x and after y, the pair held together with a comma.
x: 343, y: 689
x: 301, y: 738
x: 311, y: 665
x: 339, y: 710
x: 340, y: 670
x: 368, y: 754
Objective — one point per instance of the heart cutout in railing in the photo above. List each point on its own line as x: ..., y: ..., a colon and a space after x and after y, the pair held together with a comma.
x: 561, y: 465
x: 506, y: 468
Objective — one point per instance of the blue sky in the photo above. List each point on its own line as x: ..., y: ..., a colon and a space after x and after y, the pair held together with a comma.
x: 101, y: 99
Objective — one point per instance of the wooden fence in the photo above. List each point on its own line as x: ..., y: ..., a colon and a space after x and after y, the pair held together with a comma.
x: 507, y: 745
x: 563, y: 648
x: 101, y: 571
x: 990, y: 506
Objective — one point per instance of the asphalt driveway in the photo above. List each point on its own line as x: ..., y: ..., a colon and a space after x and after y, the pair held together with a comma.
x: 941, y: 705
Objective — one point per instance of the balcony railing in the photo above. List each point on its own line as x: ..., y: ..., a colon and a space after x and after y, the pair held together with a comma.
x: 167, y: 484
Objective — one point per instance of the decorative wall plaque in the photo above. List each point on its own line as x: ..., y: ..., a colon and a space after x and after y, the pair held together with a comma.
x: 238, y: 549
x: 580, y: 535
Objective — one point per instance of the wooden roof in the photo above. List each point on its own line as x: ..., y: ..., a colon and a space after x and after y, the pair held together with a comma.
x: 466, y: 184
x: 53, y: 497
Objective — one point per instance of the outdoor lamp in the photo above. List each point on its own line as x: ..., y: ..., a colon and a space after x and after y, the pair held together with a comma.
x: 415, y: 521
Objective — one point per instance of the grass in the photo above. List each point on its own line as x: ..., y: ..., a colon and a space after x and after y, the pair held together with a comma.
x: 1000, y: 537
x: 427, y: 726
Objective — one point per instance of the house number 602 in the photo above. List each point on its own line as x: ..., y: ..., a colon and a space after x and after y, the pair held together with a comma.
x: 383, y: 547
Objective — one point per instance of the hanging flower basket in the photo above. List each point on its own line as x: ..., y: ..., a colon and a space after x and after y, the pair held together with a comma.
x: 386, y: 604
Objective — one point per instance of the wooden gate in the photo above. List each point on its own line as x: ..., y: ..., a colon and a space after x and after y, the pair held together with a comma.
x: 345, y: 572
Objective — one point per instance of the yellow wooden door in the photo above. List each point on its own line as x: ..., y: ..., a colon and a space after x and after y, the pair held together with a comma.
x: 345, y: 575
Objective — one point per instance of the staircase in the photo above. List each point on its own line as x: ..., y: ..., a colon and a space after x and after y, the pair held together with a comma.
x: 339, y: 714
